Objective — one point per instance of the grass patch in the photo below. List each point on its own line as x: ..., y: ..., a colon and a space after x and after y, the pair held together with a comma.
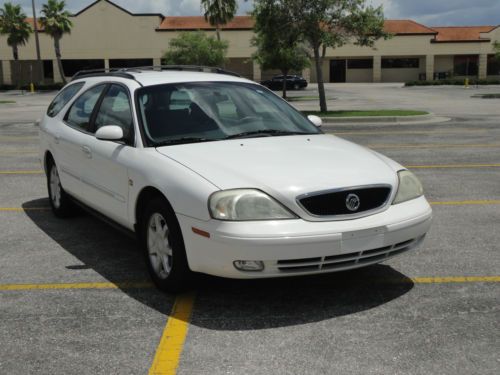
x: 374, y: 113
x: 487, y: 96
x: 7, y: 102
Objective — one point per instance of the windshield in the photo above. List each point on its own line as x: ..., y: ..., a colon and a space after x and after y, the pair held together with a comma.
x: 211, y: 111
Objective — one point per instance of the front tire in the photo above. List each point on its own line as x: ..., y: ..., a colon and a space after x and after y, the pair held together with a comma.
x: 60, y: 201
x: 163, y: 247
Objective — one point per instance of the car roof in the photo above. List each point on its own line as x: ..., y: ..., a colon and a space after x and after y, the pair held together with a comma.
x: 152, y: 77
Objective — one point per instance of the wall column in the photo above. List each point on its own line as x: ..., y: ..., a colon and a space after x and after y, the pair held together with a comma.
x: 306, y: 73
x: 6, y: 72
x: 257, y: 73
x: 377, y: 68
x: 157, y: 61
x: 106, y: 63
x: 483, y: 66
x: 429, y: 67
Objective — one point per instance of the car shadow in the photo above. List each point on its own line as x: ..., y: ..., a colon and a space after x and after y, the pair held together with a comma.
x: 223, y: 304
x: 100, y: 247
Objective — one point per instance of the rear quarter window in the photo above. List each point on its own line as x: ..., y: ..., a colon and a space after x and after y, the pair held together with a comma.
x: 63, y: 98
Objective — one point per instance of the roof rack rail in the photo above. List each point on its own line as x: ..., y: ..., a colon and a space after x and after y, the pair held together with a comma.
x: 115, y: 72
x: 125, y: 72
x: 192, y: 68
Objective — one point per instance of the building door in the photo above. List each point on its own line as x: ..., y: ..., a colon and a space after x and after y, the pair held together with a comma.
x: 337, y: 71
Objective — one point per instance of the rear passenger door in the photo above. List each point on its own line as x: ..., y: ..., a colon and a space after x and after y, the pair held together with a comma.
x: 106, y: 177
x: 72, y: 154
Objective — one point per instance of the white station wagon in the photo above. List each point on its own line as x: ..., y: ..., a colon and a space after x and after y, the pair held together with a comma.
x: 216, y: 174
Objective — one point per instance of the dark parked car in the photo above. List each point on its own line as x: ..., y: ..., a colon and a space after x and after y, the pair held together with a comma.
x: 293, y: 82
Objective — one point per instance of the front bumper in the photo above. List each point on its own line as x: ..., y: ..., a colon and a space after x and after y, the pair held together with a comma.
x: 298, y: 247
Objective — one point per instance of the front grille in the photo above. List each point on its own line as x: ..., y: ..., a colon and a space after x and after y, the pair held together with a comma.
x: 346, y: 261
x: 334, y: 203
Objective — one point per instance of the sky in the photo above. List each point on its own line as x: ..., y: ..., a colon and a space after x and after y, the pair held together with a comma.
x: 428, y: 12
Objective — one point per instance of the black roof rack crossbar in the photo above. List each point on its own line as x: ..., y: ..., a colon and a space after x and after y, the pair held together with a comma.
x: 116, y: 72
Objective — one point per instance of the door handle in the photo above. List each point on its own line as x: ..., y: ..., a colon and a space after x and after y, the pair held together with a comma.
x: 87, y: 151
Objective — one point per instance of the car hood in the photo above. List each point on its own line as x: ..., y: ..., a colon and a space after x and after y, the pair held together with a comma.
x: 286, y: 166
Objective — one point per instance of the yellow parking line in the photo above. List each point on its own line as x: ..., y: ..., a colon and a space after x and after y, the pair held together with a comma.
x: 444, y: 166
x: 444, y: 145
x: 465, y: 203
x: 124, y: 285
x: 22, y: 172
x: 459, y: 279
x: 186, y: 300
x: 10, y: 153
x: 171, y: 344
x: 16, y: 138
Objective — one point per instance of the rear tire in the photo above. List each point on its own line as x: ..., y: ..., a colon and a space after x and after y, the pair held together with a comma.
x: 163, y: 247
x: 60, y: 201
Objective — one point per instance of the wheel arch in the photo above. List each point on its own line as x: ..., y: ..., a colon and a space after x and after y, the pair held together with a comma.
x: 146, y: 194
x: 47, y: 158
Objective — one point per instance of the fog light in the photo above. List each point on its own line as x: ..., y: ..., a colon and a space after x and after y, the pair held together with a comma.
x: 249, y: 265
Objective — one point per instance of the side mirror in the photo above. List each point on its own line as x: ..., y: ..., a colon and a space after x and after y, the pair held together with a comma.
x: 109, y: 133
x: 317, y: 121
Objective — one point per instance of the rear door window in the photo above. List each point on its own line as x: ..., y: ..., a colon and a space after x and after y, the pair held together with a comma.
x: 63, y: 98
x: 80, y: 114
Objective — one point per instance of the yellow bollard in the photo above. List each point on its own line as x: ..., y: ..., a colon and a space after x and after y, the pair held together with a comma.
x: 466, y: 83
x: 32, y: 88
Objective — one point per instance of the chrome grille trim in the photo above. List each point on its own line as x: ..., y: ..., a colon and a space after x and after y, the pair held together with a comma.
x: 352, y: 216
x: 346, y: 261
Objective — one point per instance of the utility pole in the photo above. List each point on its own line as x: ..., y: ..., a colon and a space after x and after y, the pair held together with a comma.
x: 35, y: 26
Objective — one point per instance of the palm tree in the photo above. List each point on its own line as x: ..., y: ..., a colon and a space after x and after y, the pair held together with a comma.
x: 13, y: 24
x: 219, y: 12
x: 55, y: 22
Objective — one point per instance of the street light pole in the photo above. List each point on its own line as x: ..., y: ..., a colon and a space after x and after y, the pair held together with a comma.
x: 35, y: 26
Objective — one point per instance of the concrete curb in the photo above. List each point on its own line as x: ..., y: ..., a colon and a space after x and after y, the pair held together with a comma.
x: 360, y: 119
x: 384, y: 120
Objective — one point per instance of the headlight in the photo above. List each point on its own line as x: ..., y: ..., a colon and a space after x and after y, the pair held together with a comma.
x: 246, y: 205
x: 409, y: 187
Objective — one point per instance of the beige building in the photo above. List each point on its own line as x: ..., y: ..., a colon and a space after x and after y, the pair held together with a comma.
x: 105, y: 35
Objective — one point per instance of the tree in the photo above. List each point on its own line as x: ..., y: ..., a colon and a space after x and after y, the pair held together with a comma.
x: 496, y: 47
x: 277, y: 47
x: 219, y: 12
x: 13, y: 24
x: 55, y: 21
x: 196, y: 48
x: 331, y: 24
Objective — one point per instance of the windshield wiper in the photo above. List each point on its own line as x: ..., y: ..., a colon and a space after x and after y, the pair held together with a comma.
x: 183, y: 140
x: 264, y: 132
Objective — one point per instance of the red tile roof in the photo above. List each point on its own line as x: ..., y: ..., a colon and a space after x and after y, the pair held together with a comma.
x: 462, y: 34
x: 199, y: 23
x: 32, y: 23
x: 401, y: 27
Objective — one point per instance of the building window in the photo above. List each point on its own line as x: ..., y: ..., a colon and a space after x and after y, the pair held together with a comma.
x: 466, y: 65
x: 48, y: 69
x: 400, y: 63
x: 129, y: 63
x: 360, y: 64
x: 493, y: 66
x: 71, y: 67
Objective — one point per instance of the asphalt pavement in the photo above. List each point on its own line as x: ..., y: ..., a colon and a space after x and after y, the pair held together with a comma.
x: 75, y: 297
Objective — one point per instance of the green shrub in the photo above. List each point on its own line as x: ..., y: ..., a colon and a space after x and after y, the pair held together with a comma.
x: 454, y: 82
